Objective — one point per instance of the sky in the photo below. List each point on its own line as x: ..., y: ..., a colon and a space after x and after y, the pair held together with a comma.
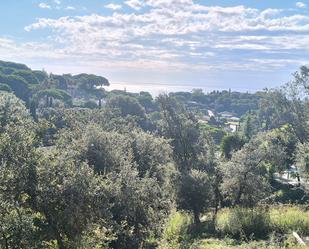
x: 161, y: 45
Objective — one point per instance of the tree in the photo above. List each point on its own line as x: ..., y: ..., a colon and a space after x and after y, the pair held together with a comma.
x: 17, y: 174
x: 287, y: 105
x: 16, y: 66
x: 40, y: 75
x: 106, y: 152
x: 127, y: 106
x: 17, y: 226
x: 90, y: 81
x: 72, y: 199
x: 231, y: 143
x: 248, y: 129
x: 193, y: 156
x: 302, y: 159
x: 138, y: 174
x: 5, y: 87
x: 51, y: 94
x: 146, y: 100
x: 183, y: 130
x: 195, y: 193
x: 246, y: 176
x: 28, y: 76
x: 18, y: 85
x: 153, y: 157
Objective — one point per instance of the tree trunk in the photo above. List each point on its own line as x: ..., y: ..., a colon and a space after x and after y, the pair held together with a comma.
x: 237, y: 201
x: 51, y: 102
x: 59, y: 241
x: 6, y: 244
x: 197, y: 218
x: 47, y: 101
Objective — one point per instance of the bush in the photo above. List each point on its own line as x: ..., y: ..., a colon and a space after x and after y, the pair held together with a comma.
x: 91, y: 104
x: 290, y: 243
x: 290, y: 218
x: 176, y: 233
x: 240, y: 222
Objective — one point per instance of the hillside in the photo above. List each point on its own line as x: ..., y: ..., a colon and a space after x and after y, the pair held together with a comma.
x: 83, y: 168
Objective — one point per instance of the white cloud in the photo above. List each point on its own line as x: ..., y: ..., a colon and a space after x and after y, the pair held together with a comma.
x: 301, y: 5
x: 113, y: 6
x: 179, y: 33
x: 44, y: 6
x: 70, y: 8
x: 135, y: 4
x: 58, y: 2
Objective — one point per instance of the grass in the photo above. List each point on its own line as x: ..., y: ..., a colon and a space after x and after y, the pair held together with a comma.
x: 286, y: 219
x: 176, y: 234
x: 238, y: 228
x: 228, y: 244
x: 243, y: 223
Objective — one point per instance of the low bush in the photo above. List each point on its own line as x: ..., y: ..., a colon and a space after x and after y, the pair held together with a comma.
x: 243, y: 222
x: 286, y: 219
x: 230, y: 244
x: 176, y: 234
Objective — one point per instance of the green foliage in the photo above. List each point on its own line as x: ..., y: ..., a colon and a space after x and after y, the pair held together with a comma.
x: 89, y: 81
x: 289, y: 243
x: 105, y: 151
x: 176, y: 232
x: 13, y: 65
x: 250, y: 171
x: 183, y: 130
x: 195, y: 193
x: 80, y: 178
x: 217, y: 134
x: 5, y: 87
x: 219, y: 101
x: 286, y: 194
x: 90, y: 104
x: 28, y: 76
x: 17, y: 227
x: 231, y: 143
x: 127, y: 106
x: 286, y: 219
x: 55, y: 93
x: 40, y: 75
x: 12, y: 112
x: 153, y: 156
x: 18, y: 85
x: 302, y: 158
x: 70, y: 198
x: 242, y: 222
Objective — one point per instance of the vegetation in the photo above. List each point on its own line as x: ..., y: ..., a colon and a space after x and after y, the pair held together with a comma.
x: 81, y: 167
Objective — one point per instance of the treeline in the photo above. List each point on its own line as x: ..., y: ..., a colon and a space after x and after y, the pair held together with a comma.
x: 110, y: 177
x: 37, y: 88
x: 237, y: 103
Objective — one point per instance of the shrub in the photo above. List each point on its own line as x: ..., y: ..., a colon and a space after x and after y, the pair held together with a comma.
x: 239, y: 222
x: 176, y: 232
x: 290, y: 243
x: 91, y: 104
x: 290, y: 218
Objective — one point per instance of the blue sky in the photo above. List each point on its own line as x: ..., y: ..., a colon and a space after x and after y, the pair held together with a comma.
x: 160, y: 45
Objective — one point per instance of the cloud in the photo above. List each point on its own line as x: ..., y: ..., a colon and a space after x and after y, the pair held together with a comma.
x: 180, y: 34
x: 301, y: 5
x: 135, y: 4
x: 44, y: 6
x: 113, y: 6
x: 58, y: 2
x: 70, y: 8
